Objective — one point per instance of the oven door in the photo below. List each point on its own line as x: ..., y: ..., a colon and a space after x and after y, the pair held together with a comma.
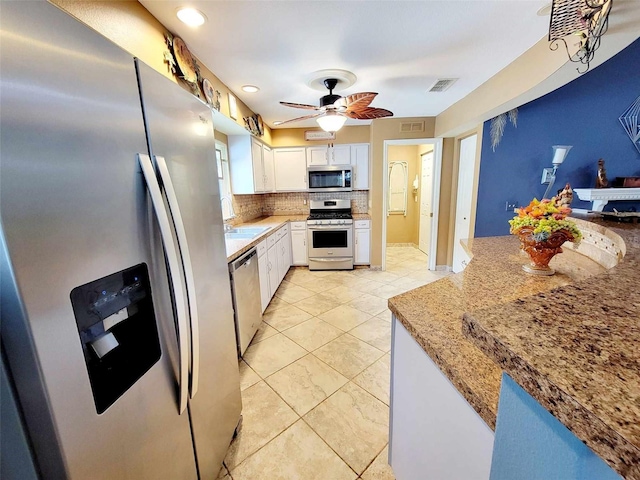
x: 330, y: 241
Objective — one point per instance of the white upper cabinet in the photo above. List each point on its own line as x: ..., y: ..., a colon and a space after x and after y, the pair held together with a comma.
x: 339, y: 155
x: 329, y: 155
x: 251, y: 165
x: 290, y: 169
x: 269, y: 169
x: 317, y: 156
x: 360, y: 163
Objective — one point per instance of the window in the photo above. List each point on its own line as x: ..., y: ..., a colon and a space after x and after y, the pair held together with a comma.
x: 224, y: 180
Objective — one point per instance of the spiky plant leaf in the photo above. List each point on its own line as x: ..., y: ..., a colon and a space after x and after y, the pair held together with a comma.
x: 497, y: 129
x: 513, y: 117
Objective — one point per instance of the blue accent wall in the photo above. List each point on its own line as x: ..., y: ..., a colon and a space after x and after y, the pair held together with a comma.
x: 584, y: 113
x: 531, y: 444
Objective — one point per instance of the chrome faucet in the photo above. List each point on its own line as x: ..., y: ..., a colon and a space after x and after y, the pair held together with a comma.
x: 232, y: 213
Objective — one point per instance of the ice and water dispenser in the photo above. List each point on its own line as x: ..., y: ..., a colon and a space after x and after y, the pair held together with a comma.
x: 118, y: 331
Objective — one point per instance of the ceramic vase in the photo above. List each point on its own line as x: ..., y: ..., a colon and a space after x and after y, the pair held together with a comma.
x: 541, y: 253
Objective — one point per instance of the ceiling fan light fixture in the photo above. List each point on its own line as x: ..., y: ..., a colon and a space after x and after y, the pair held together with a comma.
x: 191, y: 16
x: 331, y: 122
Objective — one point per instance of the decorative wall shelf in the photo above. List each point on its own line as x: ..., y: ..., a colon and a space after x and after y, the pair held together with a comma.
x: 601, y: 196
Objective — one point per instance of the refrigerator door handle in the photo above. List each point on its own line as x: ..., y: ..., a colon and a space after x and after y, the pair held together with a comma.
x: 176, y: 216
x: 174, y: 272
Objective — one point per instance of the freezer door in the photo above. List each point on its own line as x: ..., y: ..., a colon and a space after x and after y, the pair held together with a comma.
x: 179, y: 129
x: 74, y: 208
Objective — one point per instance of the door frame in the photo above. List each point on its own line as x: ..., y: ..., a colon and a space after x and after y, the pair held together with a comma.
x: 422, y: 193
x: 437, y: 170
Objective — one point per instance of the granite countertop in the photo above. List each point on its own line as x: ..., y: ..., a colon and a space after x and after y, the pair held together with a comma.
x: 576, y: 350
x: 237, y: 246
x: 572, y: 341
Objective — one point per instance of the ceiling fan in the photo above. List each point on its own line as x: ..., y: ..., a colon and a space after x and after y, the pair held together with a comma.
x: 334, y: 110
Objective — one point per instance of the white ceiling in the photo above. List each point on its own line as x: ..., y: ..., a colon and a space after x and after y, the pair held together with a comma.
x: 395, y: 48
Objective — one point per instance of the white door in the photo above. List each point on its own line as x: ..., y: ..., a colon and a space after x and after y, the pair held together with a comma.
x: 360, y: 163
x: 269, y: 169
x: 258, y: 170
x: 299, y: 247
x: 263, y: 272
x: 317, y: 156
x: 340, y: 155
x: 291, y: 169
x: 426, y: 203
x: 464, y: 198
x: 272, y: 265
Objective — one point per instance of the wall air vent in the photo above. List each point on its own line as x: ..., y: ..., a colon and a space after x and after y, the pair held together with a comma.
x: 407, y: 127
x: 442, y: 84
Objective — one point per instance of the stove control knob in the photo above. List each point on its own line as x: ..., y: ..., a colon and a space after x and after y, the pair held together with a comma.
x: 341, y: 222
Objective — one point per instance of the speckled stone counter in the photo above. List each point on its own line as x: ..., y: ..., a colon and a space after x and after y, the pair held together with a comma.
x: 433, y: 313
x: 236, y: 247
x: 576, y: 350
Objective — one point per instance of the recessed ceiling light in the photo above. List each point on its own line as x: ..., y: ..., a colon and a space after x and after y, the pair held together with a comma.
x: 544, y: 11
x: 250, y: 88
x: 191, y: 16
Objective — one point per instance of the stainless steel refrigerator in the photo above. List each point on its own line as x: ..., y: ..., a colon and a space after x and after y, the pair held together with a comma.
x: 117, y: 325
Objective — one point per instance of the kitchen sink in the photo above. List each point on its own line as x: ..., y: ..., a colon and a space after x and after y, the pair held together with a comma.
x: 245, y: 232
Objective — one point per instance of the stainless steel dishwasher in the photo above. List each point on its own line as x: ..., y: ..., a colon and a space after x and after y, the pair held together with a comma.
x: 245, y: 289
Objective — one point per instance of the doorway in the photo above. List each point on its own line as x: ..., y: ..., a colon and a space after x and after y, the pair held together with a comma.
x: 414, y: 222
x: 464, y: 200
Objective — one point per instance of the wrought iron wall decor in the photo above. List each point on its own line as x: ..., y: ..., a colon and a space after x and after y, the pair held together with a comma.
x: 630, y: 121
x: 586, y: 19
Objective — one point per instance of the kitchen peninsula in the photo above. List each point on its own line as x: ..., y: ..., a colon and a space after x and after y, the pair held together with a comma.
x: 569, y: 345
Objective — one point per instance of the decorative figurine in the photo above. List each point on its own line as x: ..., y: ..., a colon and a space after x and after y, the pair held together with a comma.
x: 601, y: 179
x: 565, y: 196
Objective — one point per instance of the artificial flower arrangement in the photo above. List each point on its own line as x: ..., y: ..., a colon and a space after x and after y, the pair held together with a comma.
x: 545, y: 217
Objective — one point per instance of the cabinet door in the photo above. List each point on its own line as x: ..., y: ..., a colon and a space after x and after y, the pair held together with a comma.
x: 360, y: 162
x: 272, y: 261
x: 340, y: 155
x: 282, y: 268
x: 317, y: 156
x: 363, y: 247
x: 291, y: 169
x: 263, y: 272
x: 287, y: 252
x: 269, y: 169
x: 256, y: 160
x: 299, y: 254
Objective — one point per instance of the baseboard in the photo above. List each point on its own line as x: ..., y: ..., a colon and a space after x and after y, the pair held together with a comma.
x: 394, y: 245
x: 443, y: 268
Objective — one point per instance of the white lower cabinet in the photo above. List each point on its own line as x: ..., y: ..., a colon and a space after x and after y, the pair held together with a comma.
x: 274, y: 280
x: 362, y: 250
x: 299, y: 255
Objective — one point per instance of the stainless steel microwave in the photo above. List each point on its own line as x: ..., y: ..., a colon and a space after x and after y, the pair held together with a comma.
x: 329, y: 178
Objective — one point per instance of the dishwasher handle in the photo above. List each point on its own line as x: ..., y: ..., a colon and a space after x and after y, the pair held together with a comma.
x: 243, y: 260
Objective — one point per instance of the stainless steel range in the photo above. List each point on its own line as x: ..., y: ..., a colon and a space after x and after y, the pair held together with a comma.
x: 330, y: 234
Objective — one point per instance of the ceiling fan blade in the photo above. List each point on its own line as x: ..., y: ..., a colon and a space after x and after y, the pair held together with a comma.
x: 368, y: 113
x: 357, y: 100
x: 300, y: 105
x: 300, y: 118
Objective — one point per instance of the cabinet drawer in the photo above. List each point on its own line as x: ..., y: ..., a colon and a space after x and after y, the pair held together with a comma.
x: 262, y: 248
x: 362, y: 224
x: 271, y: 240
x: 298, y: 225
x: 282, y: 232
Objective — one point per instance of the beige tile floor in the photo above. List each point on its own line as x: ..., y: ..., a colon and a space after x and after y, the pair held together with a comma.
x: 315, y: 379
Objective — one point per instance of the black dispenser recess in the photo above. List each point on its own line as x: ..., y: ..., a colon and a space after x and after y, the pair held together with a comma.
x: 117, y: 327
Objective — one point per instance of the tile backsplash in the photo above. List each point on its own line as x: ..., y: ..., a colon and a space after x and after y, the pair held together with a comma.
x: 248, y: 207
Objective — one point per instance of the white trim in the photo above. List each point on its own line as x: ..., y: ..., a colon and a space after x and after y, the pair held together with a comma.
x: 437, y: 173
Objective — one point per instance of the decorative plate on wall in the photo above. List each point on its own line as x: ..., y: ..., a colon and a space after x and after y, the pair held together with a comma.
x: 208, y: 90
x: 185, y: 61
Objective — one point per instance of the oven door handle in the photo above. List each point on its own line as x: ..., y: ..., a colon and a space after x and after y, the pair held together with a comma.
x: 330, y: 227
x: 335, y: 259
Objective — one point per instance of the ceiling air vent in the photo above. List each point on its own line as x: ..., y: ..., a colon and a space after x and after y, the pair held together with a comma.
x: 442, y: 84
x: 407, y: 127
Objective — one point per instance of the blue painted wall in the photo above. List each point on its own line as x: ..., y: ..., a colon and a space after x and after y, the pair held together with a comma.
x: 531, y: 444
x: 583, y: 113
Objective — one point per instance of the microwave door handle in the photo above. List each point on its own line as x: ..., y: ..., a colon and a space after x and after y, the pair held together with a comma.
x: 171, y: 253
x: 187, y: 268
x: 344, y: 179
